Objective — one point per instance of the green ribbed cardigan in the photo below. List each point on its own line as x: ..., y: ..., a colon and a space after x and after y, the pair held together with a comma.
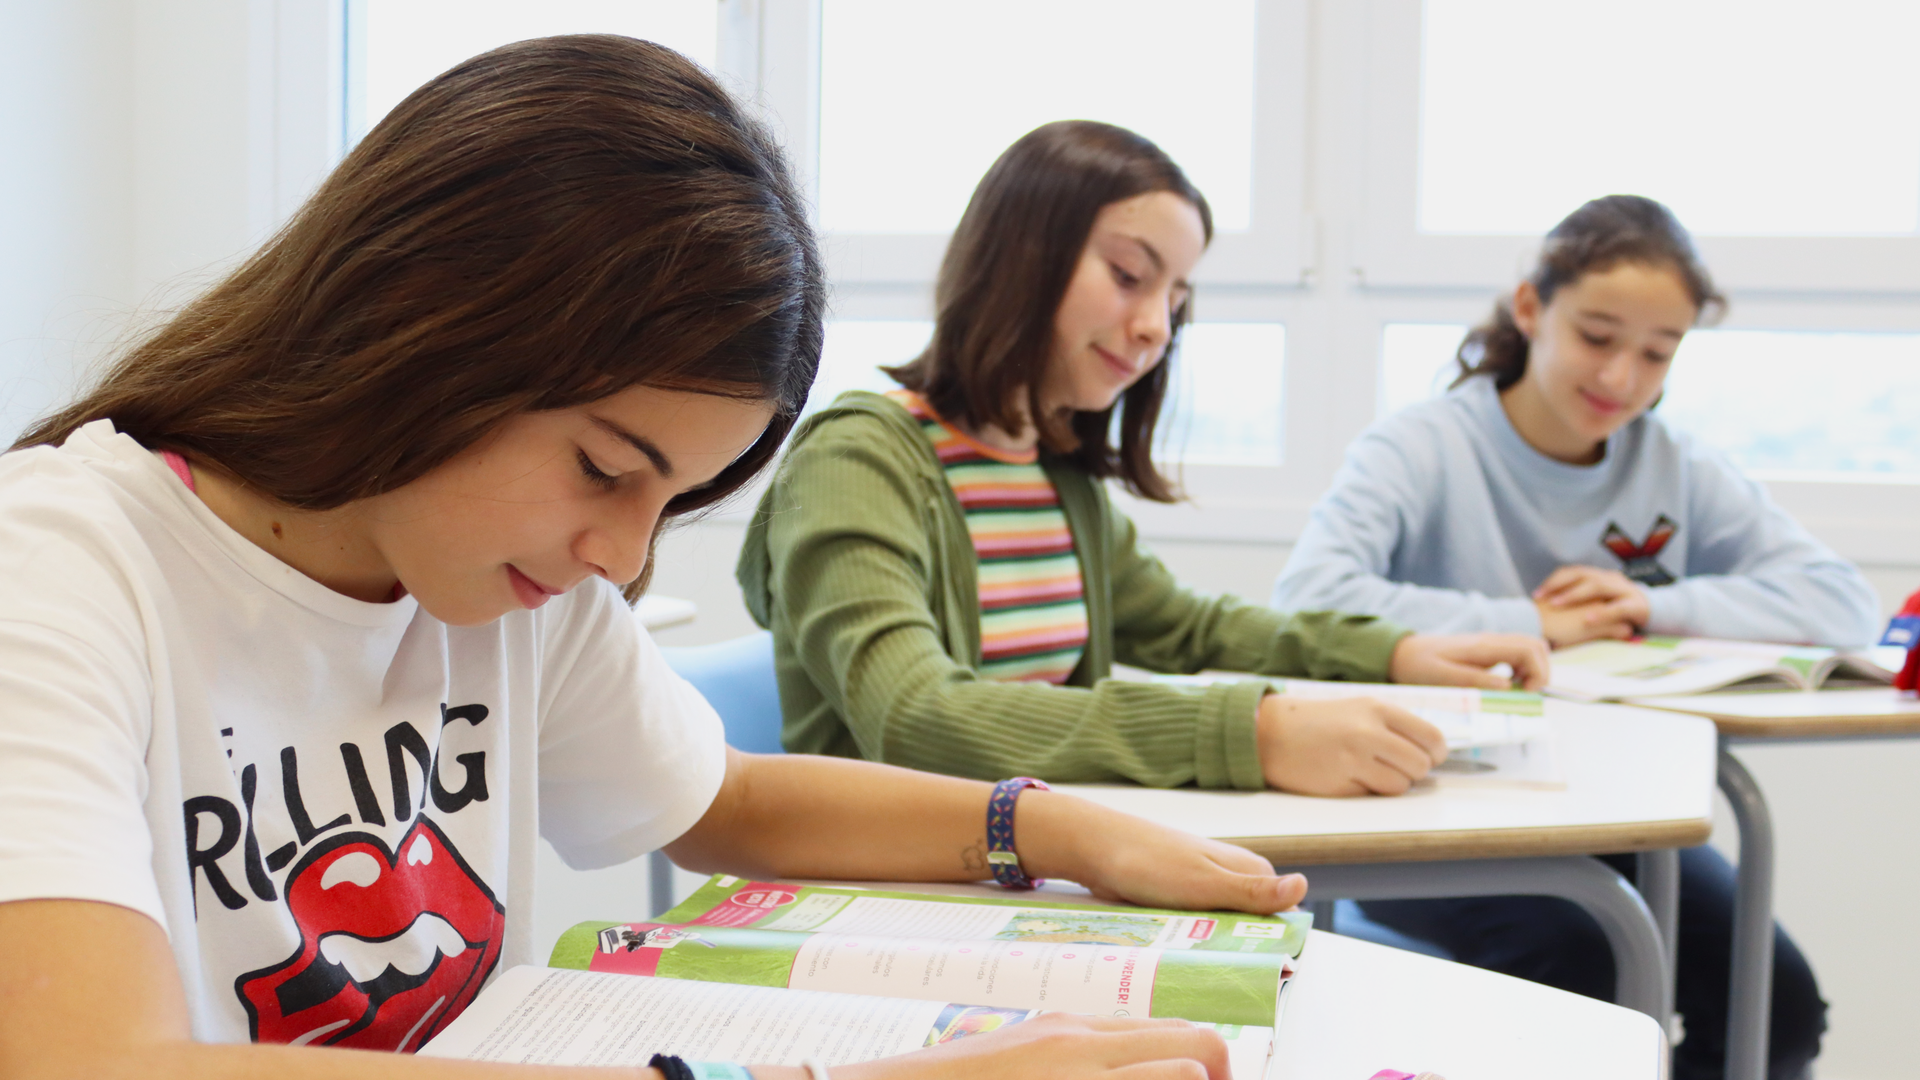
x: 859, y: 561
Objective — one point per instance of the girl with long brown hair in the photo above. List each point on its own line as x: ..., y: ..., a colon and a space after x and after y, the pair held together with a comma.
x: 311, y: 621
x: 947, y: 582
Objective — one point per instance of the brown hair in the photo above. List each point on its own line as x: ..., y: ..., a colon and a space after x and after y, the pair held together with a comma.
x: 539, y: 227
x: 1597, y: 237
x: 1007, y: 269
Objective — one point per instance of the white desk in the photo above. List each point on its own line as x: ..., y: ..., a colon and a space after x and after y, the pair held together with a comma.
x: 1355, y: 1008
x: 660, y: 612
x: 1773, y: 716
x: 1637, y: 780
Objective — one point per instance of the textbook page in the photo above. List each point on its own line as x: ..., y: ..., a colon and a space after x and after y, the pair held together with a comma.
x: 1666, y: 666
x: 544, y: 1016
x: 1468, y: 717
x: 1017, y: 951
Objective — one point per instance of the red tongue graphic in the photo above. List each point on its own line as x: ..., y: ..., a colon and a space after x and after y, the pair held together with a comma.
x: 351, y: 884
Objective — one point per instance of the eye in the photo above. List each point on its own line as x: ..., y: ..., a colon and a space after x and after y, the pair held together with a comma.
x: 1658, y: 357
x: 593, y: 474
x: 1595, y: 340
x: 1123, y: 276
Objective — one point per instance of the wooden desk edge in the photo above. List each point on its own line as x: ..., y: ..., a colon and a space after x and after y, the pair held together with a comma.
x: 1476, y: 843
x: 1801, y: 727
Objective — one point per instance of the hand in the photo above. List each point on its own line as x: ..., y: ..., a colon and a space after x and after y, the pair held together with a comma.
x: 1345, y: 746
x: 1563, y: 626
x: 1056, y: 1046
x: 1464, y: 660
x: 1122, y: 858
x: 1618, y: 597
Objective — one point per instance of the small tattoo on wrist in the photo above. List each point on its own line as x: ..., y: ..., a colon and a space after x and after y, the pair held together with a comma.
x: 973, y: 858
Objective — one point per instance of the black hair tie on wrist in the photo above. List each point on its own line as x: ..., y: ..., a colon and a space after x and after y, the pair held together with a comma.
x: 670, y: 1067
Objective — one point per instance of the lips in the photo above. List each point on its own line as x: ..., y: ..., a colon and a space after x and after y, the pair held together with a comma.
x: 1118, y: 366
x: 529, y: 592
x: 393, y: 945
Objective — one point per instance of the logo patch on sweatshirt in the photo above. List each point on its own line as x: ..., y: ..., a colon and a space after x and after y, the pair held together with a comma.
x: 1640, y: 561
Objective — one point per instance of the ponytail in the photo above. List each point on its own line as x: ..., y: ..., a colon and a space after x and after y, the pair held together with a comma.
x: 1600, y: 235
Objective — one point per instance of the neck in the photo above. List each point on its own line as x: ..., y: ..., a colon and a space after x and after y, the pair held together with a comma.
x: 1527, y: 410
x: 330, y: 546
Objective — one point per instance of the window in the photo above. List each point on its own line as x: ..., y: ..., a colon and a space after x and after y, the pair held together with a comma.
x: 396, y: 45
x: 1745, y: 118
x: 917, y: 99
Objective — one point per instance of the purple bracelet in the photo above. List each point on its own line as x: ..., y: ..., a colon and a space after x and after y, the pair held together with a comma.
x: 1001, y: 857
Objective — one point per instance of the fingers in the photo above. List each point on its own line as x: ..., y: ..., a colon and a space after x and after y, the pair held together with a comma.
x: 1560, y: 581
x: 1419, y: 746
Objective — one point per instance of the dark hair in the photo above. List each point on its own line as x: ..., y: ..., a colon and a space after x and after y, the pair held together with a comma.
x: 541, y: 226
x: 1600, y: 235
x: 1007, y: 269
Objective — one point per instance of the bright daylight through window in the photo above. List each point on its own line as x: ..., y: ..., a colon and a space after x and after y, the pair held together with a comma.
x: 917, y: 99
x: 1746, y: 118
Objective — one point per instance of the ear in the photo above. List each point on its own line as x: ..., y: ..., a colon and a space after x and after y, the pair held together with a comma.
x: 1526, y: 309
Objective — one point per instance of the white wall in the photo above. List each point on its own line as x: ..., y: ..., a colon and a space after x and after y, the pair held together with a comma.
x: 66, y: 195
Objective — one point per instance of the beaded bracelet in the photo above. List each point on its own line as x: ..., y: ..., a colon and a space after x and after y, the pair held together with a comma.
x: 1001, y: 857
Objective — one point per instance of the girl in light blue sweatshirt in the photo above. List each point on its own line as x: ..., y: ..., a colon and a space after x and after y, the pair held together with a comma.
x: 1541, y: 495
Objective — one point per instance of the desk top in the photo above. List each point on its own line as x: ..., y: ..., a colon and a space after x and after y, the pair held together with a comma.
x: 1801, y: 714
x: 1355, y: 1008
x: 1637, y: 780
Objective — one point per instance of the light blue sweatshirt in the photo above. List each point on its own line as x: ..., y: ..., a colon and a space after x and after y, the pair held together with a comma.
x: 1444, y: 519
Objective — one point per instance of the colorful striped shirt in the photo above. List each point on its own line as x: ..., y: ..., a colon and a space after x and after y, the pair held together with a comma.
x: 1033, y: 611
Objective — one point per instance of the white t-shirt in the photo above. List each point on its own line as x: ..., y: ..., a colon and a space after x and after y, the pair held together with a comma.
x: 330, y: 806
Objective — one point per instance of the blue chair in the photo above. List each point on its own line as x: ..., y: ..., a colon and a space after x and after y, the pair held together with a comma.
x: 736, y: 678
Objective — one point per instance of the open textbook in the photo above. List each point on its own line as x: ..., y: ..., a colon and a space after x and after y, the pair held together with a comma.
x: 1661, y: 666
x: 776, y: 973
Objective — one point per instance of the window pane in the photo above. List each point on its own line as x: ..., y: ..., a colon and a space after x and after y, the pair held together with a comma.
x: 1801, y: 402
x: 917, y: 99
x: 1416, y: 362
x: 854, y: 351
x: 1745, y: 116
x: 1224, y: 407
x: 1773, y: 400
x: 408, y: 42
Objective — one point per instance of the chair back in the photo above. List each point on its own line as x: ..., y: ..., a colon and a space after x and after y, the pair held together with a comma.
x: 736, y: 678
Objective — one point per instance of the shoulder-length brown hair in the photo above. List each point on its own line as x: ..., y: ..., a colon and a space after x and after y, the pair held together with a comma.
x: 1006, y: 271
x: 539, y: 227
x: 1602, y: 234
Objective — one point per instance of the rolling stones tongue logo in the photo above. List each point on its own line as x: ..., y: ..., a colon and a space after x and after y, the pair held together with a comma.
x: 393, y: 944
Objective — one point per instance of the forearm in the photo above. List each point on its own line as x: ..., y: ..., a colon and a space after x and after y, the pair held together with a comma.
x: 184, y: 1060
x: 1787, y: 607
x: 803, y: 816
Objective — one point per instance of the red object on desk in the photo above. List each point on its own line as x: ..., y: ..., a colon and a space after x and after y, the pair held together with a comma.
x: 1904, y: 625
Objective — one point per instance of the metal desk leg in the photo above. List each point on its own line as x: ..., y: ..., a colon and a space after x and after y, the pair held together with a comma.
x: 1658, y: 879
x: 659, y: 882
x: 1750, y: 1000
x: 1638, y: 951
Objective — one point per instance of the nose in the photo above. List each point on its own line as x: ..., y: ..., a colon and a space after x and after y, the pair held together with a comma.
x: 1617, y: 372
x: 618, y: 542
x: 1151, y: 324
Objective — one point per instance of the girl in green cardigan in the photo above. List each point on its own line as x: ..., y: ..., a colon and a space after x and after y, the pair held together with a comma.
x: 947, y: 582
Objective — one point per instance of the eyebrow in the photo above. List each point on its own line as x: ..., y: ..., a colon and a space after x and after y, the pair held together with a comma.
x: 661, y: 463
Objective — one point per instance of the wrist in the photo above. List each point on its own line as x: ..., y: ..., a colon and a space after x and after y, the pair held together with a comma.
x: 1055, y: 833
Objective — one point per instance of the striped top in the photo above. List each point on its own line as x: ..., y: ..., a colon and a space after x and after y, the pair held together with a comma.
x: 1033, y: 612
